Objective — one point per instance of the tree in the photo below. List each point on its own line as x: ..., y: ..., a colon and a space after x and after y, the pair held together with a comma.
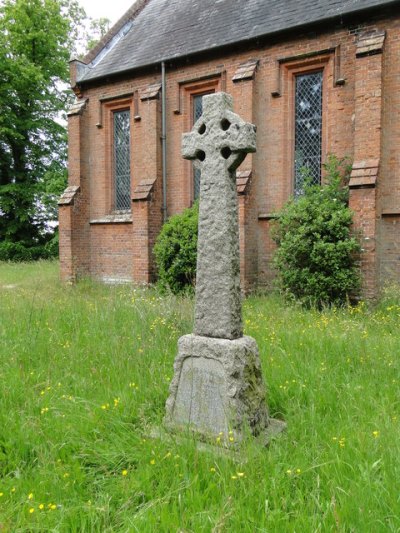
x: 96, y: 31
x: 36, y: 39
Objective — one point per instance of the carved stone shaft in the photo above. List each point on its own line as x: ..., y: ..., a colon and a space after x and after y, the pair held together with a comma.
x: 218, y: 143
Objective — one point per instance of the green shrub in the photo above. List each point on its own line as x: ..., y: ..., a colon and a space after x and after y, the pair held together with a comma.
x: 176, y: 252
x: 21, y: 252
x: 317, y: 252
x: 52, y: 246
x: 14, y: 251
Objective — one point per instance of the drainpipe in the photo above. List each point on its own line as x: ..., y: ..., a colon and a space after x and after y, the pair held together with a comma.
x: 164, y: 140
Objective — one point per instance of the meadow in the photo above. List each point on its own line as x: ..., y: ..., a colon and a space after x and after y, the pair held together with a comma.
x: 84, y: 375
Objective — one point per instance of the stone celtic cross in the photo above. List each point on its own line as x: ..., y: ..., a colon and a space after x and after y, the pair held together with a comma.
x: 218, y: 143
x: 218, y: 388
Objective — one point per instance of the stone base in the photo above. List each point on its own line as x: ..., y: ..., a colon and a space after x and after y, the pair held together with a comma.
x: 226, y: 449
x: 217, y: 390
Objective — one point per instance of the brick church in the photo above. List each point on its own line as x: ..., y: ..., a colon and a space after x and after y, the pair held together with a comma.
x: 315, y: 76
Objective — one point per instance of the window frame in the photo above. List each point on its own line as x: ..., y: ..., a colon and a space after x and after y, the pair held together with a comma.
x: 115, y: 177
x: 112, y: 108
x: 291, y: 71
x: 200, y: 88
x: 193, y: 121
x: 295, y: 78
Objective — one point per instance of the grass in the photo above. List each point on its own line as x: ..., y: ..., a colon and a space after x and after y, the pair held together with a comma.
x: 84, y: 374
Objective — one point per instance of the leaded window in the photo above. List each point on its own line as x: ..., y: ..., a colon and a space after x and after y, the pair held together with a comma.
x: 122, y: 160
x: 197, y: 112
x: 308, y: 129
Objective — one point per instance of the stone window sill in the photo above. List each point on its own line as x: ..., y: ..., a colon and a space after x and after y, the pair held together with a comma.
x: 267, y: 216
x: 114, y: 218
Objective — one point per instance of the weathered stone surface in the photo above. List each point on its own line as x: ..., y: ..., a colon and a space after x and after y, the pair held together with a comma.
x: 217, y: 387
x: 218, y: 144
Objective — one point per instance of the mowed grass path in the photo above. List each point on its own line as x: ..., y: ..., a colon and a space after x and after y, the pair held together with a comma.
x: 84, y: 375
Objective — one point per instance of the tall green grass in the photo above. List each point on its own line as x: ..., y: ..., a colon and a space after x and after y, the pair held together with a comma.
x: 84, y: 375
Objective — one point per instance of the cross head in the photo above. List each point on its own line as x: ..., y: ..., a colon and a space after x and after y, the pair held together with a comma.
x: 219, y: 133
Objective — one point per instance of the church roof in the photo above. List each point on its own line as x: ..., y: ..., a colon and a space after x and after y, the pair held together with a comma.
x: 163, y: 30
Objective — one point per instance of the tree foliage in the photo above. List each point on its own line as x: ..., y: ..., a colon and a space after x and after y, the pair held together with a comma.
x: 36, y: 39
x: 317, y: 251
x: 176, y: 251
x: 97, y: 28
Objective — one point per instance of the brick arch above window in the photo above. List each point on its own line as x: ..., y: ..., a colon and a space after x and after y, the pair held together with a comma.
x: 207, y: 83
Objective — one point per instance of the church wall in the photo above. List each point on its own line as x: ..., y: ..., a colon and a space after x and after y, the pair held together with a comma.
x: 388, y: 206
x: 267, y: 99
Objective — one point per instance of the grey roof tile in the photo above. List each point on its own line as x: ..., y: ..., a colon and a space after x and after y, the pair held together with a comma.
x: 168, y: 29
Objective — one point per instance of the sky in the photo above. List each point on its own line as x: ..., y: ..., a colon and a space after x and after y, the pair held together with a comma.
x: 105, y: 9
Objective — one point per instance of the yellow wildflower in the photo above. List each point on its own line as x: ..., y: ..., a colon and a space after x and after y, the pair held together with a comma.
x: 30, y: 496
x: 212, y: 469
x: 375, y: 434
x: 124, y: 472
x: 153, y: 462
x: 41, y: 506
x: 31, y: 510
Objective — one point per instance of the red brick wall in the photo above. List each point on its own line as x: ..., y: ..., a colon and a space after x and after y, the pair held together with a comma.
x: 151, y: 209
x: 347, y: 131
x: 111, y: 249
x: 388, y: 200
x: 74, y: 219
x: 367, y: 145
